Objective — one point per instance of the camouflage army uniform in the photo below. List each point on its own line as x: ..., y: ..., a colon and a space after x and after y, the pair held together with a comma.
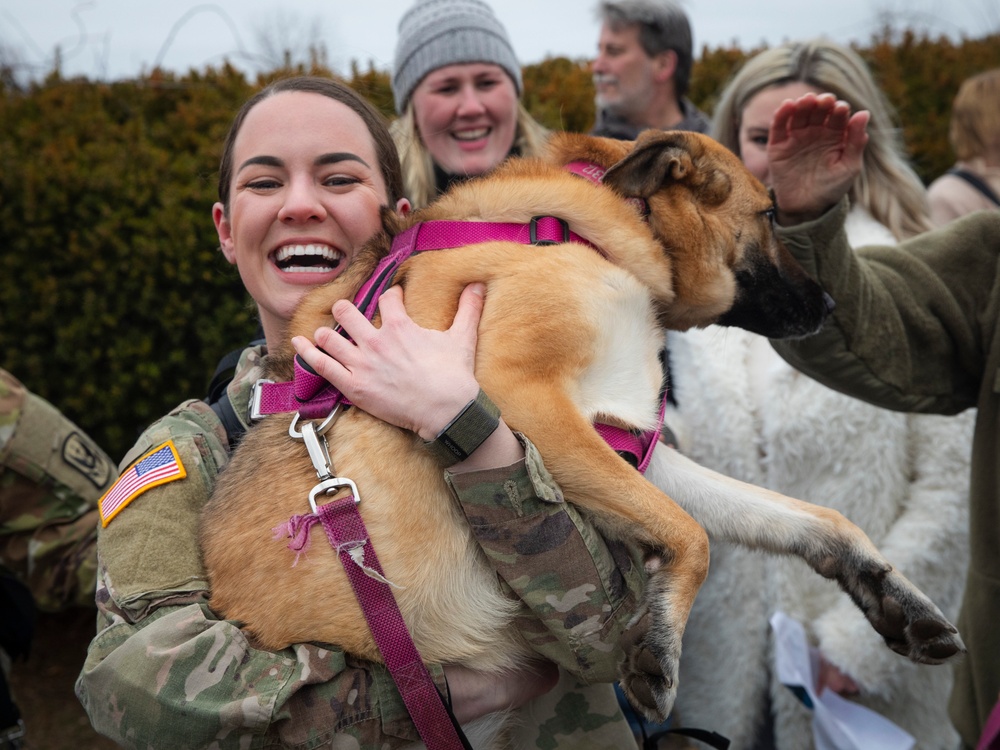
x: 51, y: 476
x: 164, y: 671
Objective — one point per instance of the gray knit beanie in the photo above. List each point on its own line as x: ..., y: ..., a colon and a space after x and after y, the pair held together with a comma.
x: 436, y: 33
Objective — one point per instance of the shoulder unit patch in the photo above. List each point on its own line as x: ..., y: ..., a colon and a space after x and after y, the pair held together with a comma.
x: 159, y: 466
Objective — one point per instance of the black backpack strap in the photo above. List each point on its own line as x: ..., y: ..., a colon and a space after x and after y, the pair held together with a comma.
x: 976, y: 182
x: 217, y: 397
x: 224, y: 410
x: 222, y: 375
x: 224, y: 371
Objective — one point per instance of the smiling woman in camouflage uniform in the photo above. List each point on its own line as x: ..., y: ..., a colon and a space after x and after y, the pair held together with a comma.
x: 306, y: 168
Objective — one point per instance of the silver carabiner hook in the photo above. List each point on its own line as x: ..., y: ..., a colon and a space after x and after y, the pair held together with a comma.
x: 319, y: 454
x: 321, y: 430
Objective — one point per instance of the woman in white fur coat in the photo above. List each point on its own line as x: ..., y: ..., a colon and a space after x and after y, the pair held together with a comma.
x: 903, y: 478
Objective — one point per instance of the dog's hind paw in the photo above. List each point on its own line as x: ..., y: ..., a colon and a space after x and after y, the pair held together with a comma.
x: 648, y: 673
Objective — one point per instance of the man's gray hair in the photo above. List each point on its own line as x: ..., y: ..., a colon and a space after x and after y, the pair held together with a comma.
x: 663, y: 25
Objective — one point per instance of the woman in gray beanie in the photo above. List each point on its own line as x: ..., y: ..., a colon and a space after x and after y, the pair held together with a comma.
x: 456, y: 82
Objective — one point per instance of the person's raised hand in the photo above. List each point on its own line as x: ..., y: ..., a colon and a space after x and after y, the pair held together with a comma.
x: 412, y: 377
x: 814, y: 149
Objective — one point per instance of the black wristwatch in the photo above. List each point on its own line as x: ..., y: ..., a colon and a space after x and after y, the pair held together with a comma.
x: 467, y: 431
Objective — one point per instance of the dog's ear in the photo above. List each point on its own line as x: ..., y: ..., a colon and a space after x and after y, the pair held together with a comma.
x: 663, y: 158
x: 656, y: 158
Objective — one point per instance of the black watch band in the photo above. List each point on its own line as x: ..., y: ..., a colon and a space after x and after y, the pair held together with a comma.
x: 467, y: 431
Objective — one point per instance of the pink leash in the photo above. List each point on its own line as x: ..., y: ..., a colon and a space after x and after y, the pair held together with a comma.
x: 346, y: 532
x: 349, y: 538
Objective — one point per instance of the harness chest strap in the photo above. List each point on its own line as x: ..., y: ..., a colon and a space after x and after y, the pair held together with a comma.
x: 595, y: 173
x: 311, y: 395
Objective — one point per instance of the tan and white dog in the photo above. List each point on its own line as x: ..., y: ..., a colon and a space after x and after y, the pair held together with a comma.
x: 568, y: 337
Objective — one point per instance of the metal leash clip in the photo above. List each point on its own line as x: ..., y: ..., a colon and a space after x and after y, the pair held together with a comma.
x: 319, y: 453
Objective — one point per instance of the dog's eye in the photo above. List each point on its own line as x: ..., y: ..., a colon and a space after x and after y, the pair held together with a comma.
x: 770, y: 214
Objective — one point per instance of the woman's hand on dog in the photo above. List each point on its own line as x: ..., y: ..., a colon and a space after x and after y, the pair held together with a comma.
x: 474, y: 694
x: 815, y: 149
x: 412, y: 377
x: 409, y: 376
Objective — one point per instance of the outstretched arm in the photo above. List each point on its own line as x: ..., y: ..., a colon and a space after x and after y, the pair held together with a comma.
x: 815, y: 149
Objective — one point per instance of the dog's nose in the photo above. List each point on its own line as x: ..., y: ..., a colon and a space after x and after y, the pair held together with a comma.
x: 829, y: 303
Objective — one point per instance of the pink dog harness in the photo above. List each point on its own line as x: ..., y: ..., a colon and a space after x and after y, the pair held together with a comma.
x: 313, y: 397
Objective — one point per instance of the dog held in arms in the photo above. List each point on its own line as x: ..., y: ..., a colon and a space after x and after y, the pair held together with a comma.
x: 568, y: 336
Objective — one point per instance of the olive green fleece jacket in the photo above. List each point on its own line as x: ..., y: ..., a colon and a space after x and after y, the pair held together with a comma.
x: 916, y: 329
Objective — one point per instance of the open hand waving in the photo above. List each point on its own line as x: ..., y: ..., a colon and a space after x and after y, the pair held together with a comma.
x: 815, y: 150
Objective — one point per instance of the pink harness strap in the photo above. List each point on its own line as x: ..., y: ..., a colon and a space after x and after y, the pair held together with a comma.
x: 311, y: 395
x: 990, y: 738
x: 314, y: 397
x: 639, y: 444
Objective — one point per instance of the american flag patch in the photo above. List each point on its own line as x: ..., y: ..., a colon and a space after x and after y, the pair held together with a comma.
x: 159, y: 466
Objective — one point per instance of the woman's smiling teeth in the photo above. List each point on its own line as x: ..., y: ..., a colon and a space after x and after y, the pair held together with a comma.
x: 471, y: 135
x: 307, y: 258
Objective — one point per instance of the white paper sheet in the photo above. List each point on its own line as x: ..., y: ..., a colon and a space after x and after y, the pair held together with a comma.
x: 838, y: 724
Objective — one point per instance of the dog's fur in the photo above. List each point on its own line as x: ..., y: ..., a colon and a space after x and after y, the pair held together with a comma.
x: 567, y: 337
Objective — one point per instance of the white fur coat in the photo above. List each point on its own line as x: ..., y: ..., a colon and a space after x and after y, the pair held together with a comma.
x: 903, y: 478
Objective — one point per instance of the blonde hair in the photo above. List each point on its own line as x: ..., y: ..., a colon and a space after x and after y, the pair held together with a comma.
x: 887, y: 186
x: 974, y: 130
x: 418, y: 166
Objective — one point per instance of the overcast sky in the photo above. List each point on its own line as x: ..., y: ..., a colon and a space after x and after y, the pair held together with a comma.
x: 112, y: 39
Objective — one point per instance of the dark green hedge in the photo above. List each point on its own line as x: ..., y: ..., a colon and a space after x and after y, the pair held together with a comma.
x: 114, y: 300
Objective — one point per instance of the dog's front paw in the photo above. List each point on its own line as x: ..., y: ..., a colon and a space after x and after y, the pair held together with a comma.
x: 648, y: 672
x: 907, y: 620
x: 912, y: 625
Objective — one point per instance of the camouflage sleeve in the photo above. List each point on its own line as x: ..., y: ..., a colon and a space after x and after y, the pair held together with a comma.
x: 181, y: 673
x: 51, y: 476
x: 578, y: 589
x: 163, y: 665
